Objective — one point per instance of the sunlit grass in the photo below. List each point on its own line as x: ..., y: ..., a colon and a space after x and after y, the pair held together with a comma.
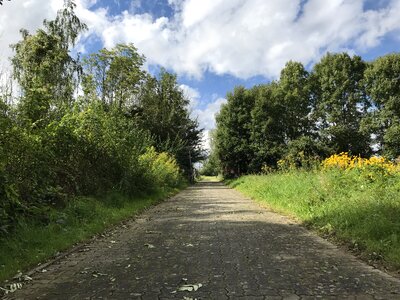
x: 346, y: 206
x: 210, y: 178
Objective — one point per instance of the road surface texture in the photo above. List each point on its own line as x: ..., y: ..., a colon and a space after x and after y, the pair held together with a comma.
x: 210, y: 242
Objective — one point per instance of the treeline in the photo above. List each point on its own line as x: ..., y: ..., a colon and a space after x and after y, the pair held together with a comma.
x: 343, y: 104
x: 87, y: 127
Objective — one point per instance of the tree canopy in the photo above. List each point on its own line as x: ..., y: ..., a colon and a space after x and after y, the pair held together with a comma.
x: 343, y: 104
x: 87, y: 127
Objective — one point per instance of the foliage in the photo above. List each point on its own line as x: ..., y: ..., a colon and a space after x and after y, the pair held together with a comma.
x: 114, y: 76
x: 343, y: 105
x: 163, y: 110
x: 341, y: 102
x: 44, y: 68
x: 162, y: 169
x: 129, y: 133
x: 373, y: 168
x: 382, y: 82
x: 233, y: 133
x: 211, y: 165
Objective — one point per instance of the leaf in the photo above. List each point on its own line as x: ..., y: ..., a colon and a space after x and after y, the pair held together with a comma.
x: 26, y: 278
x: 150, y: 246
x: 190, y: 287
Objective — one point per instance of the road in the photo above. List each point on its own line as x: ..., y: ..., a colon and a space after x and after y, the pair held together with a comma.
x: 210, y: 242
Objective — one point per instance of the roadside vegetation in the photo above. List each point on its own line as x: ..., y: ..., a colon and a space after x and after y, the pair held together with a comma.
x: 84, y: 143
x: 321, y: 146
x: 349, y: 200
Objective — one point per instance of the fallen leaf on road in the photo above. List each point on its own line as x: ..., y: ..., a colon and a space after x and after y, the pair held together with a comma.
x: 149, y: 246
x: 11, y: 288
x: 26, y: 278
x: 190, y: 287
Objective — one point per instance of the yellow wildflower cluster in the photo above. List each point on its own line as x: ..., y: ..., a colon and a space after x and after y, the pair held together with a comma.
x: 346, y: 162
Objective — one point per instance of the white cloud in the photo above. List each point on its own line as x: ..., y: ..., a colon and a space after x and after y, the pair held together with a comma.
x: 253, y: 37
x: 192, y: 94
x: 15, y: 15
x: 205, y: 116
x: 242, y: 38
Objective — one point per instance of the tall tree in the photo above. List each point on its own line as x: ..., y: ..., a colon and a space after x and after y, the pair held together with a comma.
x: 44, y: 67
x: 382, y: 79
x: 114, y: 76
x: 295, y: 96
x: 163, y: 109
x: 267, y: 126
x: 234, y: 131
x: 341, y: 103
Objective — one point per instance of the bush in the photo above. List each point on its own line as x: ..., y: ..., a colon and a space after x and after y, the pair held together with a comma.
x: 161, y: 168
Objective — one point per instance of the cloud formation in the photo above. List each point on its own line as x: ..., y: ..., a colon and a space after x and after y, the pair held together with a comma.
x: 252, y: 37
x: 241, y: 38
x: 205, y: 116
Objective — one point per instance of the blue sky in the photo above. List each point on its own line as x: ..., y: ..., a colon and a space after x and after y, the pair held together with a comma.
x: 214, y: 45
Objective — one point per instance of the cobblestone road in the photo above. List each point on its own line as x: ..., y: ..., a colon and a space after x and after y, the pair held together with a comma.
x: 209, y: 242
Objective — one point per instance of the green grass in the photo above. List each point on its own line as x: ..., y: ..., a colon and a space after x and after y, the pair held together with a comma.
x: 210, y: 178
x: 345, y: 206
x: 82, y: 218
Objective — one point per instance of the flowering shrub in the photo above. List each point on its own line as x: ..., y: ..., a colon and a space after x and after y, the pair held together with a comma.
x: 161, y: 168
x: 374, y: 165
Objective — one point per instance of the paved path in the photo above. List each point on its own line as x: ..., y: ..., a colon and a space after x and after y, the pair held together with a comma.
x: 213, y: 241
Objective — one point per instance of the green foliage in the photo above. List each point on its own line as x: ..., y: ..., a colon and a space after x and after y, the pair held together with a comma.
x: 233, y: 132
x: 341, y: 103
x: 44, y: 68
x: 162, y: 168
x: 211, y: 165
x: 267, y: 128
x: 383, y: 85
x: 163, y: 110
x: 344, y: 205
x: 129, y: 133
x: 114, y: 76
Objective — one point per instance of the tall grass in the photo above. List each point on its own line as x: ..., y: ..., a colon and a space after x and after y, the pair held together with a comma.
x: 359, y: 208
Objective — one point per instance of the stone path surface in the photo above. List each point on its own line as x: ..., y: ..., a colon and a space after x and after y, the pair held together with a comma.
x: 210, y: 242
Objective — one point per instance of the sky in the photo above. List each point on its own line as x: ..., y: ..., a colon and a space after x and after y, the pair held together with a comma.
x: 214, y: 45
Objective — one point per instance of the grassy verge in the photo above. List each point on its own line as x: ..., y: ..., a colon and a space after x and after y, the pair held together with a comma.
x: 345, y: 206
x: 82, y: 218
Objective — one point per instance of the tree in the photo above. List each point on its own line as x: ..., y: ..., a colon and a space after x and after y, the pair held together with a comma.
x: 341, y: 103
x: 211, y: 166
x: 295, y: 96
x: 383, y: 87
x: 114, y: 76
x: 234, y: 132
x: 44, y: 68
x: 267, y: 126
x: 163, y: 110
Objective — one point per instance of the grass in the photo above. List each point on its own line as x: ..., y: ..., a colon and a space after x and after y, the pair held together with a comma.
x: 343, y: 205
x: 84, y: 217
x: 210, y: 178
